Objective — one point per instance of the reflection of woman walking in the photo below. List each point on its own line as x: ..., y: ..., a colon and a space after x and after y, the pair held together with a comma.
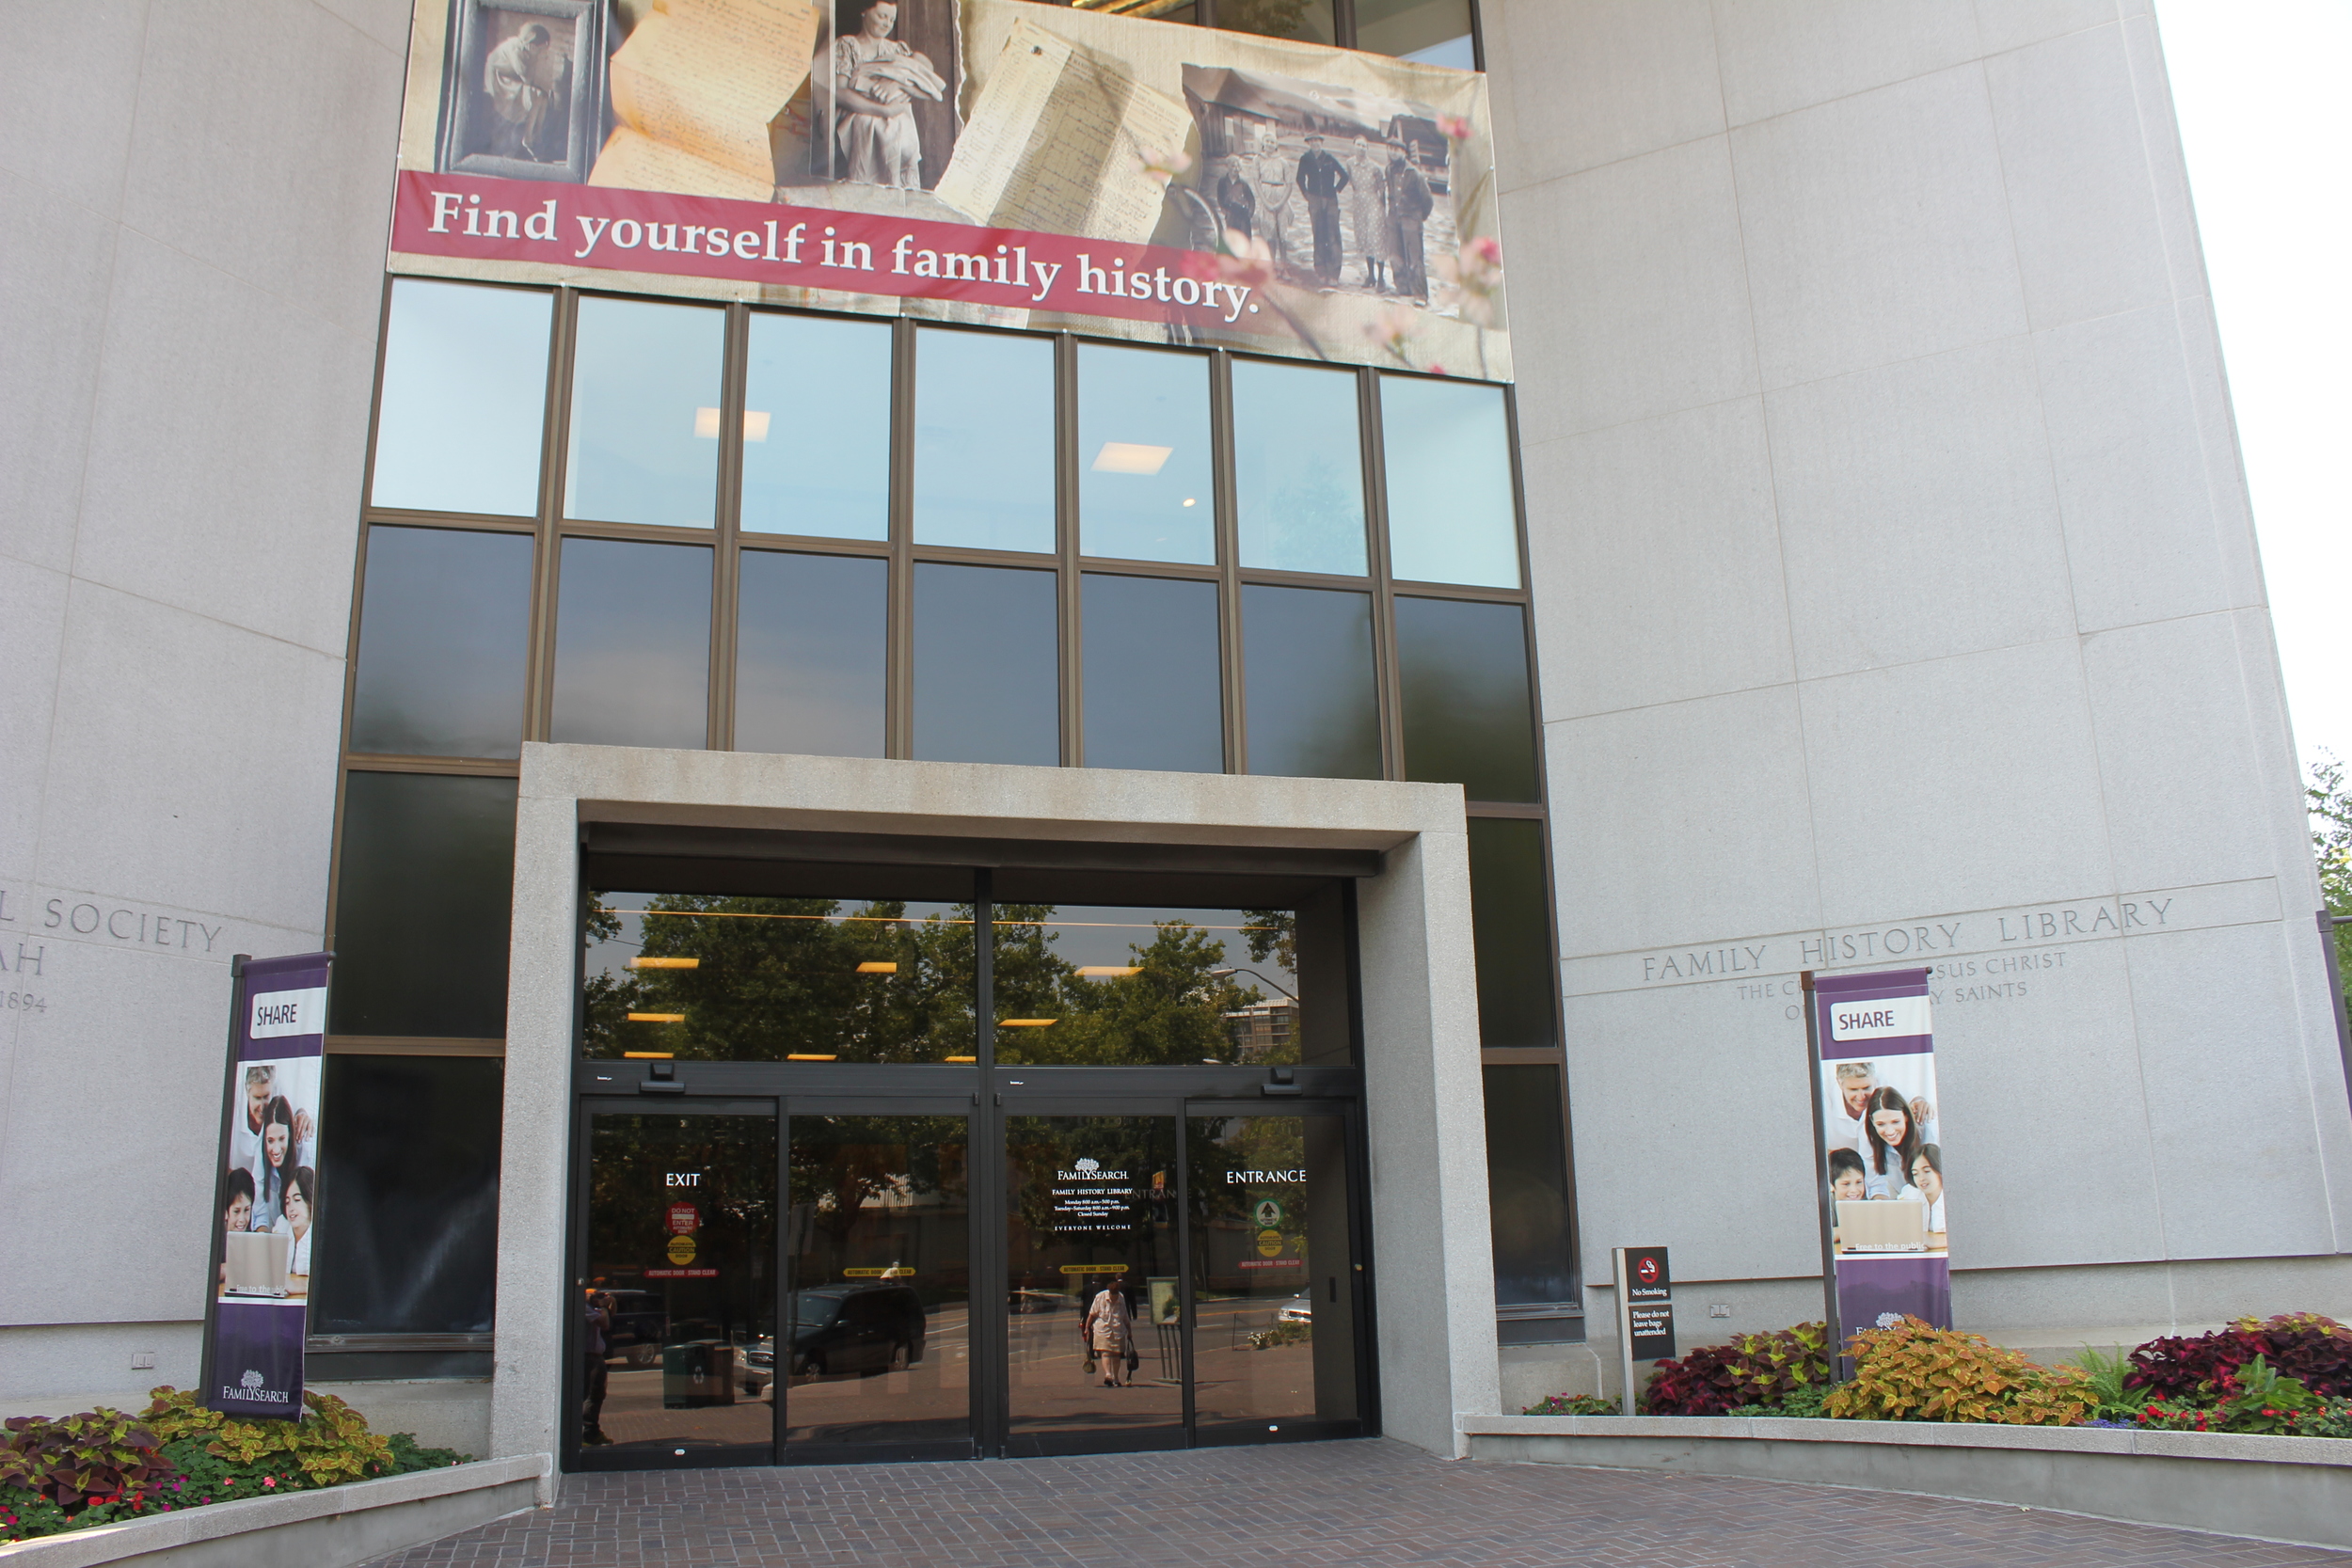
x: 1109, y: 1332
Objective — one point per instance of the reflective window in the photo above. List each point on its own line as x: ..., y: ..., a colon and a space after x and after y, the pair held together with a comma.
x: 1307, y: 20
x: 465, y: 394
x: 1153, y: 691
x: 1298, y: 471
x: 1468, y: 716
x: 1448, y: 451
x: 1518, y: 985
x: 444, y: 644
x: 1144, y: 479
x: 413, y: 1167
x: 645, y: 432
x: 632, y: 644
x: 1527, y: 1184
x: 427, y: 882
x: 713, y: 977
x: 816, y: 427
x: 983, y: 440
x: 811, y: 647
x: 1314, y: 711
x: 986, y: 666
x: 1095, y: 986
x: 1435, y: 32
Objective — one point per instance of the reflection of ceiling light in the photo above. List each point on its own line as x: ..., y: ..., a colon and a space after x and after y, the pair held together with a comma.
x: 665, y: 963
x: 1025, y: 1022
x: 796, y: 1056
x: 706, y: 424
x: 657, y: 1018
x: 754, y: 424
x: 1188, y: 501
x: 648, y: 1055
x: 963, y: 1059
x: 876, y: 968
x: 1106, y: 971
x: 1116, y: 457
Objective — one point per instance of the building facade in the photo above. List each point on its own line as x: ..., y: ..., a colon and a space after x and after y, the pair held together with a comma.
x: 969, y: 808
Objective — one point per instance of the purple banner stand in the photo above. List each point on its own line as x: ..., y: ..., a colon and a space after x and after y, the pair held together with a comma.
x: 266, y: 1188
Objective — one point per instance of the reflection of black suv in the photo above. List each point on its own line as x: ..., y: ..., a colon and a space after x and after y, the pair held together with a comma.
x: 867, y: 1329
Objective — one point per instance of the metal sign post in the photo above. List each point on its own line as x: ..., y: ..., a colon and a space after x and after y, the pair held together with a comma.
x: 1645, y: 1314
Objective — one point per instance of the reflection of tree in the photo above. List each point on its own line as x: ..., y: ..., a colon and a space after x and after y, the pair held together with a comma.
x: 841, y: 1164
x: 1272, y: 934
x: 630, y: 1195
x: 1170, y: 1010
x: 777, y: 978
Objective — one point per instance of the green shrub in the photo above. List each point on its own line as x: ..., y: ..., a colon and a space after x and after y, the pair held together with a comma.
x: 2106, y: 1383
x: 1913, y: 1373
x: 25, y: 1513
x: 2260, y: 1399
x: 1801, y: 1403
x: 1573, y: 1404
x: 74, y: 1461
x: 1752, y: 1369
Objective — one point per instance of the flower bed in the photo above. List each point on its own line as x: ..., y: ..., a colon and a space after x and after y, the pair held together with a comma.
x: 2282, y: 1376
x: 105, y: 1468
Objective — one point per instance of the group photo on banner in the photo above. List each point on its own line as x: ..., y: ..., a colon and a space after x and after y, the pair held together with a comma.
x: 1881, y: 1162
x: 1003, y: 162
x: 269, y: 1188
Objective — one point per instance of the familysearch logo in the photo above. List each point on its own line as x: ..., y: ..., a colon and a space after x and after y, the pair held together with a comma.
x: 1089, y: 1169
x: 251, y: 1384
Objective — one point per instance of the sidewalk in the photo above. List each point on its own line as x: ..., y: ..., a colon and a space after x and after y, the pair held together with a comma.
x: 1349, y: 1505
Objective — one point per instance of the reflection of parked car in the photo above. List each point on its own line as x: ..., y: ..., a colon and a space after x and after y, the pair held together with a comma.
x: 640, y: 1325
x: 867, y: 1329
x: 1298, y: 1309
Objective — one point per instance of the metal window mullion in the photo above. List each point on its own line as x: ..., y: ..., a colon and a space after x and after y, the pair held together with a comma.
x: 985, y: 1181
x: 1066, y: 525
x: 1387, y: 680
x: 1225, y: 496
x: 726, y: 511
x: 899, y: 708
x: 554, y: 459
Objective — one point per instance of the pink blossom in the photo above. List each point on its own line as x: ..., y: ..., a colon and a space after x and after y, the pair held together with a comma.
x: 1457, y: 127
x: 1164, y: 167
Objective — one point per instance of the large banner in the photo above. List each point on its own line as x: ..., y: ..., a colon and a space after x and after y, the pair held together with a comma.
x: 269, y: 1188
x: 987, y: 161
x: 1883, y: 1155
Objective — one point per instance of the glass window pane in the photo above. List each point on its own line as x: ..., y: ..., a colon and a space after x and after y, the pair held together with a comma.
x: 1153, y: 689
x: 444, y: 644
x: 810, y: 652
x: 1518, y: 980
x: 412, y: 1171
x: 1298, y: 468
x: 1468, y: 717
x: 1307, y: 664
x: 987, y: 668
x: 860, y: 974
x: 1435, y: 32
x: 465, y: 395
x: 1144, y: 484
x: 1448, y: 450
x: 816, y: 427
x: 983, y: 440
x: 1309, y: 22
x: 644, y: 446
x: 1121, y: 986
x: 1527, y: 1184
x: 632, y: 644
x: 427, y: 882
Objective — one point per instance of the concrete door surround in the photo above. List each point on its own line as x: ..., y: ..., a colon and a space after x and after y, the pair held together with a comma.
x: 1423, y: 1108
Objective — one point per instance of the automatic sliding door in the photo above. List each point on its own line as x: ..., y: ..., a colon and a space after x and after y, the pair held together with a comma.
x: 680, y: 1290
x: 1090, y: 1240
x: 1274, y: 1338
x: 879, y: 1353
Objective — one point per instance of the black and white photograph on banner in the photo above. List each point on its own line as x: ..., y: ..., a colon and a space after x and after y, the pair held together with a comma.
x: 271, y: 1186
x: 882, y: 93
x: 525, y: 95
x: 1348, y: 191
x: 1885, y: 1158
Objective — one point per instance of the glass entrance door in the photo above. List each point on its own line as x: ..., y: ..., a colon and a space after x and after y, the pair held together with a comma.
x: 679, y: 1290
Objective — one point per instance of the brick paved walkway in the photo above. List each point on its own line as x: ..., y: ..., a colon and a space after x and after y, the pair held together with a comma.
x: 1364, y: 1505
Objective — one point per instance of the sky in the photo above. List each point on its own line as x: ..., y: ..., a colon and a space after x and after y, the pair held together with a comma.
x: 2259, y: 88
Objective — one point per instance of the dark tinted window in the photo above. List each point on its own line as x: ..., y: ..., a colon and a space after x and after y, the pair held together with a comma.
x: 632, y: 644
x: 465, y: 395
x: 983, y: 440
x: 1153, y: 692
x: 1518, y: 985
x: 816, y: 427
x: 1307, y: 658
x: 1435, y: 32
x: 1468, y: 717
x: 422, y: 906
x: 1527, y: 1184
x: 444, y: 644
x: 986, y: 667
x: 408, y: 1210
x: 811, y: 643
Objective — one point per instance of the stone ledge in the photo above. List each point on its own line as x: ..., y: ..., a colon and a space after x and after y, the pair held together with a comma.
x: 2289, y: 1489
x: 331, y: 1527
